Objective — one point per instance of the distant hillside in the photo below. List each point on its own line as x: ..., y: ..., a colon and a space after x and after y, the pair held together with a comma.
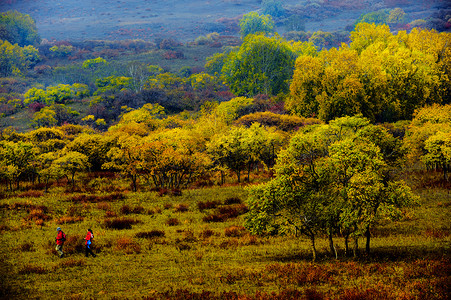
x: 187, y: 19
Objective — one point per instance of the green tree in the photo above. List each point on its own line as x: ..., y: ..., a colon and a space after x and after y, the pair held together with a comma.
x: 253, y: 23
x: 376, y: 17
x: 94, y: 146
x: 125, y: 157
x: 16, y: 160
x: 46, y: 169
x: 262, y: 65
x: 56, y: 114
x: 438, y: 154
x: 18, y: 28
x: 15, y: 60
x: 273, y: 8
x: 234, y: 108
x: 228, y: 151
x: 70, y: 163
x: 330, y: 178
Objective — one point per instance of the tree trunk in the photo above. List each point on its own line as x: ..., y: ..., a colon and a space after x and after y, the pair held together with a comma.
x: 312, y: 240
x: 346, y: 237
x: 333, y: 251
x: 356, y: 247
x: 368, y: 238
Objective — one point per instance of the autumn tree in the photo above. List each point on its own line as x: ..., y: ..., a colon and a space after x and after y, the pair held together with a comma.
x: 253, y: 23
x: 94, y: 146
x: 262, y: 65
x: 331, y: 178
x: 427, y: 138
x: 15, y: 60
x: 56, y: 114
x: 71, y: 162
x: 16, y: 160
x: 18, y: 28
x: 173, y: 158
x: 125, y: 157
x: 382, y: 76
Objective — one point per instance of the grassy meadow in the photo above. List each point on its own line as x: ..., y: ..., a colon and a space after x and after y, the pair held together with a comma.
x: 155, y: 245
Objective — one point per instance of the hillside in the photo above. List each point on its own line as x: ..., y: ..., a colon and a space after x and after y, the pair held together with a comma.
x: 185, y: 20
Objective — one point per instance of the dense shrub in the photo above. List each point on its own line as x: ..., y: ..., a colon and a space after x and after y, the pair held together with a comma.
x: 150, y: 234
x: 96, y: 199
x: 172, y: 222
x: 120, y: 223
x: 181, y: 208
x: 207, y: 205
x: 128, y: 245
x: 235, y: 231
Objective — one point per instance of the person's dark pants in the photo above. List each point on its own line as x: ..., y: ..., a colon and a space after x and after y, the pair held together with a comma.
x: 89, y: 251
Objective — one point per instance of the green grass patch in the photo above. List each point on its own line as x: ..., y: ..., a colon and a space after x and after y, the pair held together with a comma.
x: 164, y: 247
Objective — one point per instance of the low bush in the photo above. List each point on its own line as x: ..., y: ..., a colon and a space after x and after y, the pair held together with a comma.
x: 226, y: 212
x: 207, y: 205
x: 69, y: 220
x: 74, y: 244
x: 235, y: 231
x: 172, y: 222
x: 232, y: 200
x: 181, y: 208
x: 96, y: 199
x: 127, y: 245
x: 26, y: 247
x: 120, y: 223
x: 32, y: 269
x: 150, y: 234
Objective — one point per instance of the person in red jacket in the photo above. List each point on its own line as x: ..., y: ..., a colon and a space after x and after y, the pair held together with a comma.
x: 60, y: 239
x: 88, y: 238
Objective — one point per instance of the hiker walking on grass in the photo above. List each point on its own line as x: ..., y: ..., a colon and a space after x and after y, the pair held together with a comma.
x: 60, y: 239
x: 88, y: 238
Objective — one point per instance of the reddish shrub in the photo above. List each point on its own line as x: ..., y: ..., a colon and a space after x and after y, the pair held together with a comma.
x: 171, y: 54
x: 103, y: 206
x: 74, y: 244
x: 120, y: 223
x: 125, y: 209
x: 207, y: 205
x: 181, y: 207
x: 232, y: 200
x: 436, y: 233
x: 110, y: 214
x: 128, y: 245
x: 172, y: 222
x: 38, y: 214
x: 150, y: 234
x: 32, y: 269
x: 69, y: 220
x: 206, y: 233
x: 97, y: 199
x: 26, y: 247
x: 235, y: 231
